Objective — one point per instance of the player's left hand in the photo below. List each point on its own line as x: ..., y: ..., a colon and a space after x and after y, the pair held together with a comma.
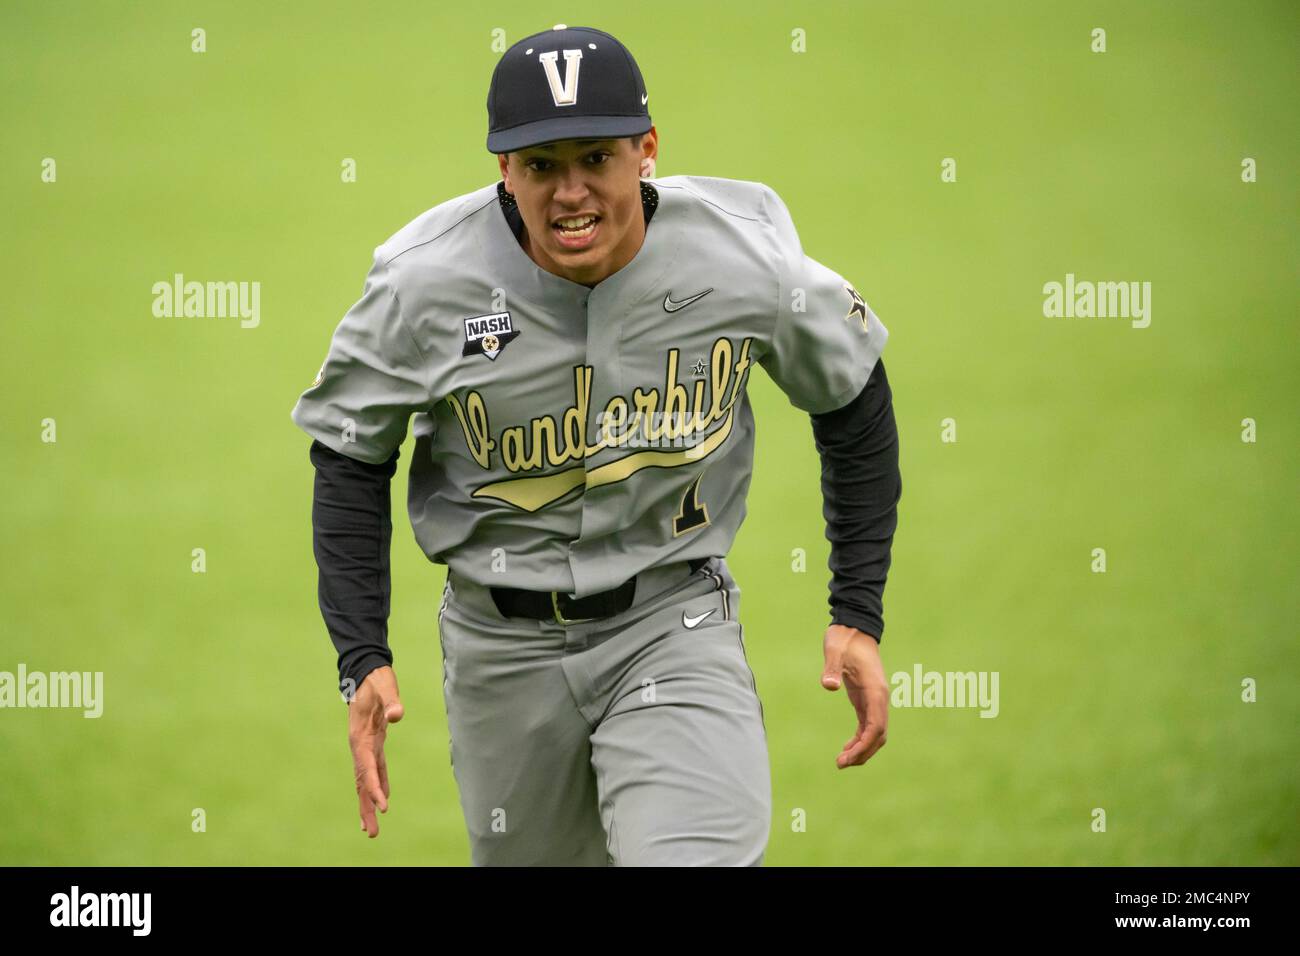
x: 853, y: 659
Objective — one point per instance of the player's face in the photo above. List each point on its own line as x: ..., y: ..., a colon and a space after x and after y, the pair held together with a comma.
x: 597, y: 183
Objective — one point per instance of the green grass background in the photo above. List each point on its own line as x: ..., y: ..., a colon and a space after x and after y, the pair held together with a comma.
x: 1118, y: 690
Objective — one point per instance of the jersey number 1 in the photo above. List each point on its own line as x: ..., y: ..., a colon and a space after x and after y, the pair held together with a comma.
x: 693, y: 513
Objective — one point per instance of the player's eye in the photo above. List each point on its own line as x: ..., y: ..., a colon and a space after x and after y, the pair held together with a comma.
x: 541, y: 165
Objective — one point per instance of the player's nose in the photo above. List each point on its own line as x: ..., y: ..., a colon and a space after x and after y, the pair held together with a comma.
x: 572, y: 190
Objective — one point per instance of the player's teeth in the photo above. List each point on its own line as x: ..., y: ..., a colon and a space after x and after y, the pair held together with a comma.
x: 575, y: 225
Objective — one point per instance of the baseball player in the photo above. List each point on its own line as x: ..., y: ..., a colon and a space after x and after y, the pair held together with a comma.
x: 573, y: 343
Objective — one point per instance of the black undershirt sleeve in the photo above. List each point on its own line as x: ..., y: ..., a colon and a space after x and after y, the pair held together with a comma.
x: 351, y: 533
x: 861, y: 486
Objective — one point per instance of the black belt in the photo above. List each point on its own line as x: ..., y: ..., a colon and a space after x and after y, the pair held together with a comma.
x: 565, y: 608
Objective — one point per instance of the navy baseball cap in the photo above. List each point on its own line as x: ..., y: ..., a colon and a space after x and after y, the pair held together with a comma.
x: 565, y: 83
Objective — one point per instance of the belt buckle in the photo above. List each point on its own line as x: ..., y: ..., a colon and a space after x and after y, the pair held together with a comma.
x: 559, y: 617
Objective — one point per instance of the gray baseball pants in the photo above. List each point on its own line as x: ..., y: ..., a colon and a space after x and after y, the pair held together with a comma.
x: 633, y: 740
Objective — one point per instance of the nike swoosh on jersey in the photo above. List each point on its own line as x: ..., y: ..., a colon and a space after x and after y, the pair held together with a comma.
x: 690, y: 622
x: 671, y: 306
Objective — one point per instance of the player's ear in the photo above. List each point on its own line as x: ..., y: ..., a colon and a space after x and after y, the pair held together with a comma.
x: 503, y: 159
x: 649, y: 150
x: 650, y: 144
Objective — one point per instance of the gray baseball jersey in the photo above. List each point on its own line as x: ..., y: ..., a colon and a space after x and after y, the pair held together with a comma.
x: 568, y: 437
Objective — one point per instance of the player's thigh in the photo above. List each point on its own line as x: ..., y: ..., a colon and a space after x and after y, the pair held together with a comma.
x: 681, y: 757
x: 520, y: 750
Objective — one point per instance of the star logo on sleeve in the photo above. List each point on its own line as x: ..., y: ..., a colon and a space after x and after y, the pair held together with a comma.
x: 858, y: 307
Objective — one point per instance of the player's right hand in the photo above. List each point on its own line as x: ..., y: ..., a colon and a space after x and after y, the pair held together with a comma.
x: 375, y: 706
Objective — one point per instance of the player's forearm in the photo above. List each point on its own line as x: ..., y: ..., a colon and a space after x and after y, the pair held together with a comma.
x: 861, y: 487
x: 351, y: 536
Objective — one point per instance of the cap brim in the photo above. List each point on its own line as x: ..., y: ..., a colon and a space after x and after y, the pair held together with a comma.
x: 566, y: 127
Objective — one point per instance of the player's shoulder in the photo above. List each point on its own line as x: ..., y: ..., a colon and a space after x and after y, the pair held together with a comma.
x: 441, y: 234
x: 750, y: 213
x: 741, y: 199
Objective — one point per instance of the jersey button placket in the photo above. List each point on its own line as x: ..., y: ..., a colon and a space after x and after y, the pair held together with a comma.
x: 600, y: 343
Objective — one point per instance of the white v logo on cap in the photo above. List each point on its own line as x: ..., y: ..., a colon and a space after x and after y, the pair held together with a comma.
x: 566, y: 93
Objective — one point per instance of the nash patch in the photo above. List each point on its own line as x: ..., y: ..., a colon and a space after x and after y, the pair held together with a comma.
x: 488, y: 334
